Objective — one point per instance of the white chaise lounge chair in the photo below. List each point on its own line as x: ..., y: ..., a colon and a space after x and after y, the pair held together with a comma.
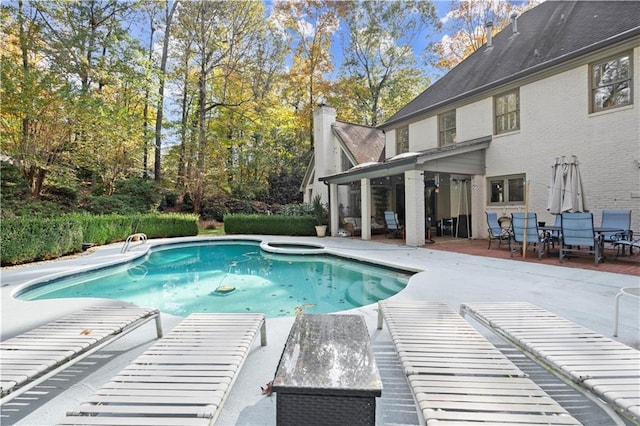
x: 33, y: 357
x: 182, y: 380
x: 605, y: 367
x: 457, y: 375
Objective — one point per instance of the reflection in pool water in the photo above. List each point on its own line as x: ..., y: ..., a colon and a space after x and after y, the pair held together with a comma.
x: 231, y: 276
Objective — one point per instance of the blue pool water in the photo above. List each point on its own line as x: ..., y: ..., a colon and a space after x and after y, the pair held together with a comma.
x: 231, y: 277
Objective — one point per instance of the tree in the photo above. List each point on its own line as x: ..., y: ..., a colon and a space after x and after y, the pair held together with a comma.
x: 35, y: 111
x: 466, y: 21
x: 224, y: 38
x: 162, y: 73
x: 309, y: 26
x: 379, y: 57
x: 87, y: 45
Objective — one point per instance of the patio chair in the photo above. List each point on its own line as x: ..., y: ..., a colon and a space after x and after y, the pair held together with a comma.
x: 30, y: 358
x: 527, y: 224
x: 457, y: 376
x: 183, y: 379
x: 496, y: 231
x: 620, y: 219
x: 577, y: 232
x: 621, y: 245
x: 394, y: 229
x: 593, y: 363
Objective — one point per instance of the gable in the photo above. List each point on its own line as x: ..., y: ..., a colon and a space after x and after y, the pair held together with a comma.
x: 549, y: 34
x: 364, y: 143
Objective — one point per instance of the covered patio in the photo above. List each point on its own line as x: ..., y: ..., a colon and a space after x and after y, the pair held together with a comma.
x: 422, y: 188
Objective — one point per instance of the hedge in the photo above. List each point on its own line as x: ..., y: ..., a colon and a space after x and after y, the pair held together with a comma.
x: 31, y: 239
x: 269, y: 224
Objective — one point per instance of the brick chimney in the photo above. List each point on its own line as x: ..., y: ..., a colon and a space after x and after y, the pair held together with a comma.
x: 325, y: 151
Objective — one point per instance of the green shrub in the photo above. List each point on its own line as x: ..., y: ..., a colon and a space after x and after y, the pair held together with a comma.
x: 31, y: 208
x: 215, y: 208
x: 105, y: 229
x: 62, y: 195
x: 103, y: 204
x: 12, y: 183
x: 143, y: 194
x: 27, y: 239
x: 300, y: 209
x: 269, y: 224
x: 166, y: 225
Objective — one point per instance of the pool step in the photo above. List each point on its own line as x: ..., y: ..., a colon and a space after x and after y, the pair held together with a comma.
x: 392, y: 286
x: 367, y: 293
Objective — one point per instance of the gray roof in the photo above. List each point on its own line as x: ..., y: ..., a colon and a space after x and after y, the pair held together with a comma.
x: 364, y: 143
x: 549, y: 34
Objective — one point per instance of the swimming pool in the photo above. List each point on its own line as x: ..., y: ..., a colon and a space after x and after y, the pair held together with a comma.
x: 232, y: 276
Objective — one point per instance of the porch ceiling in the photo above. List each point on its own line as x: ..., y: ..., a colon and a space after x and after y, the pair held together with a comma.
x: 432, y: 159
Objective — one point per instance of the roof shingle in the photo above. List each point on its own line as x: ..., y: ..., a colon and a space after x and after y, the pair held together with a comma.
x: 551, y: 33
x: 365, y: 143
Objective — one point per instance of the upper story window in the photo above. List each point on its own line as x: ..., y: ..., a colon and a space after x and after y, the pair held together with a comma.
x: 507, y: 112
x: 346, y: 163
x: 506, y: 190
x: 611, y: 83
x: 447, y: 128
x: 402, y: 140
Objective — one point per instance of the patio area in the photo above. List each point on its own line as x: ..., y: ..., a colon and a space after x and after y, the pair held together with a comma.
x: 623, y: 264
x: 453, y: 271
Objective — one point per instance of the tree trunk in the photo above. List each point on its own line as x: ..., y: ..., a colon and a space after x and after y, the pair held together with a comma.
x: 145, y: 124
x: 163, y: 66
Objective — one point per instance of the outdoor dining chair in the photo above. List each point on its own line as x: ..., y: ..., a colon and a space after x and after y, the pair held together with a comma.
x: 496, y: 231
x: 527, y: 224
x: 577, y: 232
x: 554, y: 236
x: 620, y: 219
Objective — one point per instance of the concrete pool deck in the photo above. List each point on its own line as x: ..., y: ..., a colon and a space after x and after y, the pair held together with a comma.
x: 583, y: 296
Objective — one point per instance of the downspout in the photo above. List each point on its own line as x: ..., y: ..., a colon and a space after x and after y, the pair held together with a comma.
x: 328, y: 203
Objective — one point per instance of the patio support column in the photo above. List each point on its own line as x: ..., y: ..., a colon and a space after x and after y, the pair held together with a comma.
x: 334, y: 210
x: 365, y: 208
x: 478, y: 219
x: 414, y: 208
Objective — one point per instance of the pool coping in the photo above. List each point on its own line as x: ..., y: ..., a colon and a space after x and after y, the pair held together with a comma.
x: 583, y: 296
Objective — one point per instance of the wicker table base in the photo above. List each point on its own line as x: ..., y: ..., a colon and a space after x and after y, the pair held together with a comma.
x: 327, y: 374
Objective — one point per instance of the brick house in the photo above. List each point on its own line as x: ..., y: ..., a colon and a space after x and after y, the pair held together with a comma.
x: 561, y: 80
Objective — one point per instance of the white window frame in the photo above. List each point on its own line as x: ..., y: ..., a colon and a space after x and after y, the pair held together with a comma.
x: 446, y: 135
x: 617, y: 88
x: 345, y: 162
x: 503, y: 193
x: 506, y: 119
x: 402, y: 140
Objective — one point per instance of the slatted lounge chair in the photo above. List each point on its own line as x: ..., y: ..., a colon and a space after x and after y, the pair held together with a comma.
x: 602, y: 366
x: 182, y: 380
x: 457, y: 376
x: 33, y: 357
x: 633, y: 292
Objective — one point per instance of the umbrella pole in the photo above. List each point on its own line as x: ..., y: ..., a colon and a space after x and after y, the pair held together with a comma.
x: 526, y: 219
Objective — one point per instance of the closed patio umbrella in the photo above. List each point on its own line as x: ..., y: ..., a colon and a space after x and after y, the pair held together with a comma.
x: 566, y: 193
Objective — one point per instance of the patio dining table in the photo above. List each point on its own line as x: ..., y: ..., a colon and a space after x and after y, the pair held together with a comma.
x: 597, y: 229
x: 549, y: 229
